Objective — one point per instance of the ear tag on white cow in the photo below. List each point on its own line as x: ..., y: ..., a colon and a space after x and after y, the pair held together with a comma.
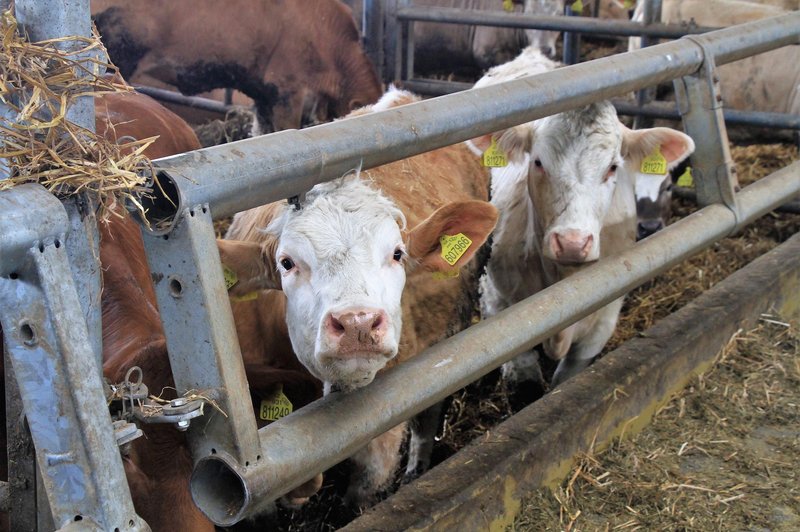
x: 655, y: 163
x: 275, y: 406
x: 629, y: 4
x: 443, y: 276
x: 577, y: 6
x: 230, y: 277
x: 508, y: 5
x: 494, y: 157
x: 454, y: 247
x: 686, y: 180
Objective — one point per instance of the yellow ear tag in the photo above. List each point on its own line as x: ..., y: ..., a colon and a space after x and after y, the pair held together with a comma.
x: 655, y: 163
x: 443, y: 276
x: 508, y: 5
x: 275, y: 407
x: 629, y: 4
x: 230, y: 277
x: 453, y: 247
x: 686, y: 180
x: 494, y: 157
x: 577, y: 6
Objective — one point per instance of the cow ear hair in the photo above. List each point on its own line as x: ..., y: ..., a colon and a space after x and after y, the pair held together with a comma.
x: 475, y: 219
x: 674, y: 145
x: 251, y: 265
x: 515, y: 142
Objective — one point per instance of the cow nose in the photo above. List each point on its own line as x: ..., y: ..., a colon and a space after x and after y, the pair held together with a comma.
x: 357, y: 328
x: 571, y: 245
x: 646, y: 228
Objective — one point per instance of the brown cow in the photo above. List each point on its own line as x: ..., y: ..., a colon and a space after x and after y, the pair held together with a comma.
x: 301, y: 62
x: 341, y: 261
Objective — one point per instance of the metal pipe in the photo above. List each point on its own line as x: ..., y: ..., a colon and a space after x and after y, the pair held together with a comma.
x: 665, y: 110
x: 296, y: 447
x: 790, y: 207
x: 614, y: 28
x: 572, y: 40
x: 252, y: 172
x: 651, y: 15
x: 196, y: 102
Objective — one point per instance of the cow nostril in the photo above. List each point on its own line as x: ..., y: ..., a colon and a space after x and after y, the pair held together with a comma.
x: 548, y: 51
x: 336, y: 325
x: 378, y: 322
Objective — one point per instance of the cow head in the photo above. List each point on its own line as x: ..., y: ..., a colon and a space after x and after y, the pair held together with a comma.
x: 653, y: 203
x: 341, y: 260
x: 575, y: 161
x: 544, y: 40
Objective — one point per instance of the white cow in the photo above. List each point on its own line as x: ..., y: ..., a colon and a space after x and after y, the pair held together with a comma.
x: 766, y: 82
x: 346, y: 257
x: 565, y: 199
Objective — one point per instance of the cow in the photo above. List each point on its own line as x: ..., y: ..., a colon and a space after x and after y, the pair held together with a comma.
x: 344, y: 259
x: 296, y: 73
x: 752, y: 83
x: 566, y: 199
x: 160, y: 462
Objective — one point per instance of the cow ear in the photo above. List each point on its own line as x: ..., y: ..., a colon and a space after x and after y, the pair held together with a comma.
x: 515, y: 142
x: 473, y: 219
x: 674, y: 145
x: 248, y: 267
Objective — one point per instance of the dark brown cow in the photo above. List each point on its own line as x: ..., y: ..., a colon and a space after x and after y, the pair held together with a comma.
x: 301, y: 62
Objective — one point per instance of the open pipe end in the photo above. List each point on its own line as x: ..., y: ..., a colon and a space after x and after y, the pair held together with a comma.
x: 162, y: 206
x: 219, y: 491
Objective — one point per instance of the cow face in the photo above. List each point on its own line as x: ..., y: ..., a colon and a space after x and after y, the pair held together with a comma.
x: 575, y: 161
x: 653, y: 203
x: 341, y: 261
x: 542, y: 39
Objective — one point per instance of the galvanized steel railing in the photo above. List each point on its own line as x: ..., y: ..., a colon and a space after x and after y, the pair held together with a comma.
x: 239, y: 469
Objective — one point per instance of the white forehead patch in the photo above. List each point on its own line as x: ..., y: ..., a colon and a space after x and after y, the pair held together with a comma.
x: 648, y: 186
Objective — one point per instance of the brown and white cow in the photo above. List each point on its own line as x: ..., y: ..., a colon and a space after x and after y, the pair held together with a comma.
x: 301, y: 62
x: 160, y: 463
x: 356, y: 266
x: 566, y: 199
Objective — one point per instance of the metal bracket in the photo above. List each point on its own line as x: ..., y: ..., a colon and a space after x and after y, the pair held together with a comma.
x: 700, y: 105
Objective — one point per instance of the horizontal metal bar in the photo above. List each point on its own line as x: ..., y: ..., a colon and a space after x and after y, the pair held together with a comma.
x: 244, y: 174
x: 667, y: 110
x: 196, y: 102
x: 790, y: 207
x: 293, y: 452
x: 449, y: 15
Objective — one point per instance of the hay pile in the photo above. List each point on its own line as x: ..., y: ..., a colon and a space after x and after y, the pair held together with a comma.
x: 39, y: 82
x: 720, y: 456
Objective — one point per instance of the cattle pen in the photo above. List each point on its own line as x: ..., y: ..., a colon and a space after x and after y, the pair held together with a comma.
x: 53, y: 348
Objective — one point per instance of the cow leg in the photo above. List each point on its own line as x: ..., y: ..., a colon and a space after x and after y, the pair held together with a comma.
x: 374, y: 468
x: 420, y: 447
x: 583, y: 350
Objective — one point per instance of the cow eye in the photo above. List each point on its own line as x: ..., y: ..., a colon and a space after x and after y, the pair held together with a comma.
x: 537, y: 163
x: 287, y: 263
x: 398, y: 254
x: 611, y: 170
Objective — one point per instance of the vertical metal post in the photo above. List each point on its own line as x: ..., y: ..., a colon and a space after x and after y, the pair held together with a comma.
x: 49, y: 19
x: 201, y: 336
x: 700, y: 105
x: 408, y: 33
x: 651, y: 15
x: 228, y: 99
x: 572, y: 40
x: 390, y: 38
x: 45, y: 335
x: 372, y: 30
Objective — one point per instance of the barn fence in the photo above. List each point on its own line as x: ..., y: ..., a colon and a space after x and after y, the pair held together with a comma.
x: 55, y: 356
x: 388, y: 29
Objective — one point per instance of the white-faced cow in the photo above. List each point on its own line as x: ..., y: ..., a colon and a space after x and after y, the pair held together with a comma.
x: 566, y: 199
x: 356, y: 266
x: 300, y: 62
